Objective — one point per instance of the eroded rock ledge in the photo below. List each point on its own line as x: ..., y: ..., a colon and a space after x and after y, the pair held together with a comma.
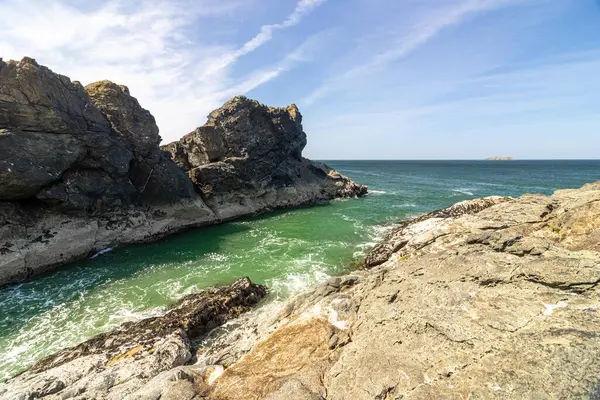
x: 492, y: 299
x: 81, y: 169
x: 138, y: 359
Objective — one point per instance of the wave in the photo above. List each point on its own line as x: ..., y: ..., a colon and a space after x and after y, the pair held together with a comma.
x: 404, y: 205
x: 376, y: 191
x: 358, y: 171
x: 466, y: 191
x: 294, y: 283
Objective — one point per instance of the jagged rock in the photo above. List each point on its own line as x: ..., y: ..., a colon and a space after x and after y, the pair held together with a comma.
x: 127, y: 118
x: 142, y: 359
x: 85, y: 166
x: 72, y: 147
x: 248, y: 157
x: 33, y: 98
x: 399, y: 239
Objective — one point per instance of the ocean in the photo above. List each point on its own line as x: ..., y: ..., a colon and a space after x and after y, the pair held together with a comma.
x: 287, y: 250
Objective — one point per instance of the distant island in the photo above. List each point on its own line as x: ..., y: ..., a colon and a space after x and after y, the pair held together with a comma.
x: 499, y: 158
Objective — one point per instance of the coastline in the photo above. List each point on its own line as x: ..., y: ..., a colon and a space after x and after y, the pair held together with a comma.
x: 81, y: 169
x: 439, y: 291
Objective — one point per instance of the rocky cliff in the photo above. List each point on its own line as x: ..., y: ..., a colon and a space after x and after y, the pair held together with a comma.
x: 248, y: 157
x: 81, y: 169
x: 493, y: 298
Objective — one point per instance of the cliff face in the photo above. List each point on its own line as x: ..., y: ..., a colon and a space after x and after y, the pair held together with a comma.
x: 81, y: 169
x: 79, y: 149
x: 249, y: 156
x: 493, y: 298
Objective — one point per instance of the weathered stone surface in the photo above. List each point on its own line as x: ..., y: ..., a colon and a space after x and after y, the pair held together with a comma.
x: 71, y: 148
x: 127, y: 118
x: 491, y: 298
x: 28, y: 161
x: 33, y: 98
x: 142, y: 359
x: 85, y: 165
x: 248, y: 158
x: 398, y: 240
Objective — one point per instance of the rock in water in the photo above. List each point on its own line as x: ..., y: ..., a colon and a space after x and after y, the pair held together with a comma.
x: 139, y: 354
x: 500, y: 158
x: 248, y: 158
x: 81, y: 169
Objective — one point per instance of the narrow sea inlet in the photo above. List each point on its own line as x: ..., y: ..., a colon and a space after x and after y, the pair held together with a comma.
x: 287, y: 250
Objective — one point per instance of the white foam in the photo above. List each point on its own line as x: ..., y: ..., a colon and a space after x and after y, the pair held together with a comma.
x: 334, y: 320
x: 107, y: 250
x: 466, y: 191
x: 404, y: 205
x: 371, y: 191
x: 216, y: 372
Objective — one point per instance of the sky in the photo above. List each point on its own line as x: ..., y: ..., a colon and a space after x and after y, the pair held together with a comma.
x: 374, y: 79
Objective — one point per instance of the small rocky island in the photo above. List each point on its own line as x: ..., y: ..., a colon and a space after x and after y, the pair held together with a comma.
x: 500, y: 158
x: 81, y: 169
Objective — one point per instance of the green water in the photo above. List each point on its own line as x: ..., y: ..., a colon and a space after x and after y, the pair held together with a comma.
x: 288, y: 251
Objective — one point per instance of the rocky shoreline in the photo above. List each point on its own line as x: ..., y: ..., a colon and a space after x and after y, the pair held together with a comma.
x: 489, y: 298
x: 81, y: 169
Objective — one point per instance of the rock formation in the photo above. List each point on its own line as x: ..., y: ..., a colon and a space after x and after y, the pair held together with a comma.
x: 81, y: 169
x: 492, y: 298
x: 138, y: 355
x: 500, y: 158
x: 248, y: 157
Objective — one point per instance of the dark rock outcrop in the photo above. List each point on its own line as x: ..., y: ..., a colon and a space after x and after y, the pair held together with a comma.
x: 79, y: 149
x: 248, y: 157
x: 81, y: 169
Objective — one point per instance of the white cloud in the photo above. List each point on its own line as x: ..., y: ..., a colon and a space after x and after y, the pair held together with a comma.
x: 266, y: 34
x: 142, y: 44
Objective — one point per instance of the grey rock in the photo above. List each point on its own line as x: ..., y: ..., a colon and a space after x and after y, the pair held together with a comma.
x: 248, y: 158
x: 141, y: 360
x: 33, y: 98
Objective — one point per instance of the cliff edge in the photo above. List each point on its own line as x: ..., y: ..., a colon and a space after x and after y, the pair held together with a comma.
x: 81, y: 169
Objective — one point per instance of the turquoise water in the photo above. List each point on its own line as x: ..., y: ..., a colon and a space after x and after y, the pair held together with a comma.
x: 288, y: 251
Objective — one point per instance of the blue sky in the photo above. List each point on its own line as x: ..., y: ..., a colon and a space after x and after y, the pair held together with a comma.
x: 374, y: 79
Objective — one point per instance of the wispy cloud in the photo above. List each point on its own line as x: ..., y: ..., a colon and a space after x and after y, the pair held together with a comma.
x: 425, y: 29
x: 533, y: 107
x: 145, y: 45
x: 265, y: 34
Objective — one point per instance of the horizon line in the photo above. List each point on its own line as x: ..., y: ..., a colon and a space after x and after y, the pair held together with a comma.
x: 455, y: 159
